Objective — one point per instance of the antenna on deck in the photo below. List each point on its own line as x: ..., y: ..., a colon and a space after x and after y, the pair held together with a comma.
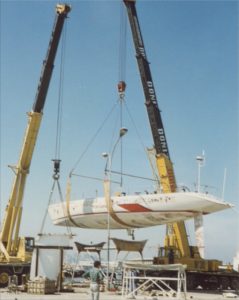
x: 224, y: 182
x: 201, y: 162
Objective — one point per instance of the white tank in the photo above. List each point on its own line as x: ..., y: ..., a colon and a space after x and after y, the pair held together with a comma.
x: 48, y: 262
x: 236, y: 262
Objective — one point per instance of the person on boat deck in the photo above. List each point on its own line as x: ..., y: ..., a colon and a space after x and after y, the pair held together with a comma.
x: 96, y: 278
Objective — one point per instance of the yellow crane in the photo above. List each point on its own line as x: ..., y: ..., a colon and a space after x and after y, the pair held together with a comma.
x: 176, y: 245
x: 15, y: 251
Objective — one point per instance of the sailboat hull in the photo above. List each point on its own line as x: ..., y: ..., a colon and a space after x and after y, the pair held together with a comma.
x: 134, y: 211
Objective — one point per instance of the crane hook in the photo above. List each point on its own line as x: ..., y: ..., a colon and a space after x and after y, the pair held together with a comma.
x: 121, y: 88
x: 56, y: 174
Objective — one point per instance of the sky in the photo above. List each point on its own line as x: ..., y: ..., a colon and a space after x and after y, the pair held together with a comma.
x: 192, y: 47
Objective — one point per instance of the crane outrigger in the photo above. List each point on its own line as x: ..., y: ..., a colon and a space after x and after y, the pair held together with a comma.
x: 15, y: 251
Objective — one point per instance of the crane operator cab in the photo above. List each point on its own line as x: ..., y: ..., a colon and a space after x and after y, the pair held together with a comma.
x: 29, y: 244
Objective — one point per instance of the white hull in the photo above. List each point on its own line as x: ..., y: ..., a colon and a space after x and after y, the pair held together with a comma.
x: 135, y: 211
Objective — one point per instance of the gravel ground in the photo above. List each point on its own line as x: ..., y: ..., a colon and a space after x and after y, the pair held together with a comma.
x: 83, y: 294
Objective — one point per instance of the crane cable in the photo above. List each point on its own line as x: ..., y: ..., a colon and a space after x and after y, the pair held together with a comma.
x: 122, y: 84
x: 69, y: 185
x: 122, y: 76
x: 122, y: 47
x: 49, y: 201
x: 121, y: 100
x: 60, y: 98
x: 122, y: 44
x: 1, y: 139
x: 56, y: 160
x: 122, y: 64
x: 92, y: 139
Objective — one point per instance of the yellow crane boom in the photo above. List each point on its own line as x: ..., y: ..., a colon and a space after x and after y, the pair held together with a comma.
x: 12, y: 248
x: 176, y: 244
x: 178, y: 234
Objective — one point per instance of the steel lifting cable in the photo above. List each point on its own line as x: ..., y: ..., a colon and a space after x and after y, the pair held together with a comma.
x: 57, y: 160
x: 122, y: 84
x: 92, y: 139
x: 1, y: 140
x: 68, y: 193
x: 1, y: 136
x: 60, y: 97
x: 121, y: 90
x: 137, y: 131
x: 122, y: 64
x: 122, y: 75
x: 49, y: 201
x: 122, y: 44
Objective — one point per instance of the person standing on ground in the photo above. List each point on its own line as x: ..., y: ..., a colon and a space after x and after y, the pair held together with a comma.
x: 96, y: 278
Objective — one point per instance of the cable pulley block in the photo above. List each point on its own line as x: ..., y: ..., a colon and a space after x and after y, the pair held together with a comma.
x: 57, y: 163
x: 121, y: 86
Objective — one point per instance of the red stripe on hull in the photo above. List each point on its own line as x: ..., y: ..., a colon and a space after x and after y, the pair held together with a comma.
x: 135, y: 207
